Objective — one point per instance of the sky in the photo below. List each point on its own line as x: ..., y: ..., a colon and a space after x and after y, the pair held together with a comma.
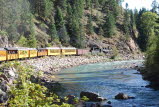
x: 138, y: 4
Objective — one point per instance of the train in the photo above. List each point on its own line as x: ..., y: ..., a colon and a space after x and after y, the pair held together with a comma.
x: 13, y: 53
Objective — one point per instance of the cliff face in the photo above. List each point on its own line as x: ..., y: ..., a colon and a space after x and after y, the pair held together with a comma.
x: 3, y: 41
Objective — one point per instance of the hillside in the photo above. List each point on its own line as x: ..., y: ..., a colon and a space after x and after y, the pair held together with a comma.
x: 78, y: 23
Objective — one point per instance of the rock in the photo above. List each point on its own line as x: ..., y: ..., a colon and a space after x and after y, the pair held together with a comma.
x: 4, y: 77
x: 92, y: 96
x: 3, y: 86
x: 10, y: 72
x: 122, y: 96
x: 71, y: 99
x: 3, y: 97
x: 109, y: 102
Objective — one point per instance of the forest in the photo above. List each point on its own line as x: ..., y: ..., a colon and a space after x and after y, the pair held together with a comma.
x: 32, y: 23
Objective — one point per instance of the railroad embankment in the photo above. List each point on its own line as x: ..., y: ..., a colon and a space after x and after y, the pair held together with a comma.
x: 50, y: 65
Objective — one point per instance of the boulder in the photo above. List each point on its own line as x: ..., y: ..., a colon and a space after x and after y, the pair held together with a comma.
x: 109, y: 102
x: 3, y: 97
x: 92, y: 96
x: 71, y: 99
x: 123, y: 96
x: 3, y: 86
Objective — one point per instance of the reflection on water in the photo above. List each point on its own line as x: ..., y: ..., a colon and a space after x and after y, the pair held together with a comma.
x: 108, y: 79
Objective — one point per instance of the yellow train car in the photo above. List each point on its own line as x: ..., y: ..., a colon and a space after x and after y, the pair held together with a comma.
x: 3, y: 54
x: 33, y: 52
x: 12, y: 53
x: 42, y: 52
x: 52, y: 51
x: 23, y: 53
x: 69, y: 51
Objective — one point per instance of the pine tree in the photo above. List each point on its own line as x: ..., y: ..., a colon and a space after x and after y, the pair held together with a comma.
x: 53, y: 33
x: 126, y: 21
x: 59, y: 21
x: 63, y: 35
x: 32, y: 42
x: 101, y: 32
x: 109, y: 26
x: 96, y: 3
x: 111, y: 6
x: 90, y: 25
x: 154, y: 6
x: 62, y: 4
x: 88, y: 4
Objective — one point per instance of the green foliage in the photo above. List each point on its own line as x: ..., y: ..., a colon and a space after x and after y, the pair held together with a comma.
x: 152, y: 54
x: 115, y: 52
x: 32, y: 42
x: 84, y: 98
x: 148, y: 24
x: 63, y: 35
x: 26, y: 93
x: 109, y: 26
x: 90, y: 25
x: 59, y: 19
x: 3, y: 33
x: 127, y: 23
x: 53, y: 33
x: 22, y: 41
x: 142, y: 41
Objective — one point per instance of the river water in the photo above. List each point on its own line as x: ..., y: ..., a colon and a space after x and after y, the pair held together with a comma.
x: 109, y: 79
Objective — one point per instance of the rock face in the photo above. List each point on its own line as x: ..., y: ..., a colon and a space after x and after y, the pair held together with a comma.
x: 6, y: 78
x: 71, y: 99
x: 122, y: 96
x: 92, y: 96
x: 3, y: 41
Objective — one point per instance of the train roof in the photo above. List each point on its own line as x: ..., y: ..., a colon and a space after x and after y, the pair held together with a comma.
x: 2, y: 49
x: 32, y: 49
x: 16, y: 48
x: 41, y: 48
x: 68, y: 48
x: 53, y: 48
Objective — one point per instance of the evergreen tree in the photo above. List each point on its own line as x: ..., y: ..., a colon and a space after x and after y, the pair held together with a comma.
x: 141, y: 39
x: 154, y: 6
x: 148, y: 25
x: 59, y: 21
x: 63, y: 35
x: 152, y: 59
x: 101, y: 32
x: 109, y: 26
x: 111, y: 6
x: 90, y: 25
x: 126, y: 21
x: 32, y: 42
x: 53, y: 33
x: 88, y: 3
x: 62, y: 4
x: 96, y: 3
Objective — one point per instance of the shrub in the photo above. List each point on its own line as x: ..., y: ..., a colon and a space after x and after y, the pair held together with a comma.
x: 25, y: 93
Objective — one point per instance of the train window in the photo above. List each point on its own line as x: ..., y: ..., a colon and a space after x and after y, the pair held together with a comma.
x: 33, y: 52
x: 13, y: 52
x: 70, y: 50
x: 54, y: 51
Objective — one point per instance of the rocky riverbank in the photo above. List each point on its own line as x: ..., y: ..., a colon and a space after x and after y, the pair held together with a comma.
x: 51, y: 64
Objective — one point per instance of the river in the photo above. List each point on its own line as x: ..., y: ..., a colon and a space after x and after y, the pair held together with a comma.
x: 108, y: 79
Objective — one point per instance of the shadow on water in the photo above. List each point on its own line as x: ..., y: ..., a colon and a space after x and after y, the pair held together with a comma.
x: 109, y: 79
